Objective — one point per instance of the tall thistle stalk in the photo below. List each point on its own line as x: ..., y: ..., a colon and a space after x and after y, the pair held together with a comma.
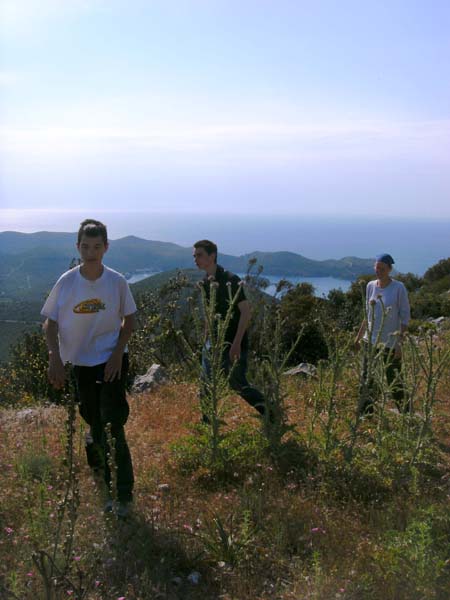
x: 432, y: 361
x: 112, y: 465
x: 215, y: 381
x: 370, y: 358
x: 270, y: 371
x: 371, y: 354
x: 54, y: 566
x: 330, y: 374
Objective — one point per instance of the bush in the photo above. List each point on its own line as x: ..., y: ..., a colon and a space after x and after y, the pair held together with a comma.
x: 300, y: 310
x: 26, y: 372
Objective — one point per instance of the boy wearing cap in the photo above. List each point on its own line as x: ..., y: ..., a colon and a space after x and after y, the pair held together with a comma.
x: 89, y: 320
x: 388, y: 314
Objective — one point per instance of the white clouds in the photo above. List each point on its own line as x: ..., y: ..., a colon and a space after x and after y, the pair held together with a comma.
x: 265, y: 144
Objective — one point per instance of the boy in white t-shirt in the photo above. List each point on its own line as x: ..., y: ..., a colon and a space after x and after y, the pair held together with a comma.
x: 89, y: 320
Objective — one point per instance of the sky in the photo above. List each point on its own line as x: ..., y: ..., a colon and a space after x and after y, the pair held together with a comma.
x: 226, y: 106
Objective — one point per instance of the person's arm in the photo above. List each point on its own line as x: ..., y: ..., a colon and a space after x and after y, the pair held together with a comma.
x: 56, y: 371
x: 244, y: 319
x: 113, y: 367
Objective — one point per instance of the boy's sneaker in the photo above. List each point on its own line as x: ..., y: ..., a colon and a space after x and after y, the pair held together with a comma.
x: 109, y: 505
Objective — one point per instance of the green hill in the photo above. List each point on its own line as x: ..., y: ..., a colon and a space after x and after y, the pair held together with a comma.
x: 31, y: 263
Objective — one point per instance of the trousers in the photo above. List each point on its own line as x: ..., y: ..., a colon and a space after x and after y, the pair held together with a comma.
x: 237, y: 374
x: 368, y: 388
x: 100, y: 403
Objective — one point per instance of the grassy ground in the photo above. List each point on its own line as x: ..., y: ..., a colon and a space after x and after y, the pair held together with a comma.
x: 302, y: 524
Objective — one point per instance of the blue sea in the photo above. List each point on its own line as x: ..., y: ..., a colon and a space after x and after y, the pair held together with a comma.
x: 322, y: 285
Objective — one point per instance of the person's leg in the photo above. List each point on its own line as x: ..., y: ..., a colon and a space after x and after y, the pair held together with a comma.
x: 394, y: 379
x: 87, y: 395
x: 239, y: 383
x: 114, y: 409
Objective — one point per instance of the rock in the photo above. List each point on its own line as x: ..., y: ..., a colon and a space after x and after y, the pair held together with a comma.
x: 439, y: 321
x: 302, y: 369
x: 26, y: 414
x: 163, y: 487
x: 153, y: 377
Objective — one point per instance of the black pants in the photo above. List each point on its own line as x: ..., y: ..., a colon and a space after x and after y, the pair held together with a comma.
x: 101, y: 403
x: 237, y: 379
x: 368, y: 391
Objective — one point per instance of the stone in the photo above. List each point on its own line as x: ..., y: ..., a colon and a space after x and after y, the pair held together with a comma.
x: 154, y: 377
x: 302, y: 369
x: 439, y: 321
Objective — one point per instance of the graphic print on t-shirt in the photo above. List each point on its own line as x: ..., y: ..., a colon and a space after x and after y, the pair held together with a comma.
x: 88, y: 307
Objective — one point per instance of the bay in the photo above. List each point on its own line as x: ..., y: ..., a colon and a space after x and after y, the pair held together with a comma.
x: 322, y: 285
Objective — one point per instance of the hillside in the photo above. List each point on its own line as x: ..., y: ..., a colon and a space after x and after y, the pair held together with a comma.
x: 31, y: 263
x: 155, y: 282
x: 317, y: 503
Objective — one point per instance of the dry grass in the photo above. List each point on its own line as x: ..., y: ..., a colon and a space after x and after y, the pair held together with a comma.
x: 293, y: 530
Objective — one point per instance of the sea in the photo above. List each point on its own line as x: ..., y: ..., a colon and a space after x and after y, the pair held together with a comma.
x: 415, y: 243
x: 322, y: 285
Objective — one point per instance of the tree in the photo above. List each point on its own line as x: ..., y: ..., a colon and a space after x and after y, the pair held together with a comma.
x: 300, y: 310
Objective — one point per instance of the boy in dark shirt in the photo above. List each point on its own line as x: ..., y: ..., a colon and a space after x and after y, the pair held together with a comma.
x: 236, y: 339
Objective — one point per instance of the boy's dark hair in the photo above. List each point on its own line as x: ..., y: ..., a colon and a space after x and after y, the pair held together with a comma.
x: 93, y: 228
x: 208, y: 246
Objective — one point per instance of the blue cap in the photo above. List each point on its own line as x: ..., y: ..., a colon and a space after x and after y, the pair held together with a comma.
x: 385, y: 258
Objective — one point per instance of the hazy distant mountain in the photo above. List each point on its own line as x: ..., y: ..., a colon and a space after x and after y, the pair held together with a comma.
x: 31, y: 263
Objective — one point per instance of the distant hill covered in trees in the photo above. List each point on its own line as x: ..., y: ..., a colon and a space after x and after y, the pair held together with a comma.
x: 31, y: 263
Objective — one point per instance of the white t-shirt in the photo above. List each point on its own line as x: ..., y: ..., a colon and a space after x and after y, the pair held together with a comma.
x: 89, y: 314
x: 394, y: 299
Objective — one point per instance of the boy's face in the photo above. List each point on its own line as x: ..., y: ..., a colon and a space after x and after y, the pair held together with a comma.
x: 381, y: 269
x: 202, y: 259
x: 92, y: 249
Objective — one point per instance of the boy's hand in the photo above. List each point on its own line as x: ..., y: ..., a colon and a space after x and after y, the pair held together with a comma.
x: 56, y: 372
x: 235, y: 352
x: 113, y: 367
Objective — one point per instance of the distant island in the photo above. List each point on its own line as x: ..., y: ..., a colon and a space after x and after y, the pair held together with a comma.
x: 30, y: 263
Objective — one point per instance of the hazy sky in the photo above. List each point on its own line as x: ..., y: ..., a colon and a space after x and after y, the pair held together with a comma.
x: 272, y: 106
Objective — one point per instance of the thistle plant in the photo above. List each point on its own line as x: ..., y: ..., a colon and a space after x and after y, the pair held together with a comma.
x: 270, y: 372
x: 371, y: 373
x: 371, y: 356
x: 330, y: 374
x: 431, y: 360
x: 54, y: 565
x: 214, y: 382
x: 112, y: 466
